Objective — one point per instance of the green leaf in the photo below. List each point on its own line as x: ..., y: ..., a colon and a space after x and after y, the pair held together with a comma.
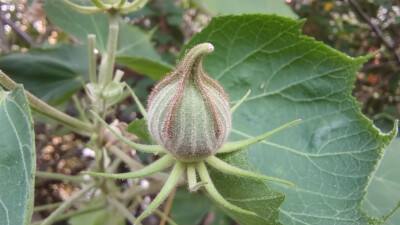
x: 153, y: 69
x: 383, y: 192
x: 17, y: 161
x: 224, y: 7
x: 191, y: 208
x: 134, y: 46
x: 246, y: 193
x: 331, y: 154
x: 138, y: 127
x: 52, y: 74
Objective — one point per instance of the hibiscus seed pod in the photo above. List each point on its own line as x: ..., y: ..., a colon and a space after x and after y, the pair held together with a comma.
x: 188, y: 112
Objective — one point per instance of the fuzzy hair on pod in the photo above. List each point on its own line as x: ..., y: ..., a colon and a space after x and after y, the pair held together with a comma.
x: 188, y: 112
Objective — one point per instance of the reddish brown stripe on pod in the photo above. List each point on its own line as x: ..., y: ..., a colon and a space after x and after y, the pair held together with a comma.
x: 192, y: 135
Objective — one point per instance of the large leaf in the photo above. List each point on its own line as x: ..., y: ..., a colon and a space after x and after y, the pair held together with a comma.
x: 52, y: 74
x: 224, y: 7
x: 383, y: 193
x: 331, y: 154
x: 134, y: 46
x: 17, y: 158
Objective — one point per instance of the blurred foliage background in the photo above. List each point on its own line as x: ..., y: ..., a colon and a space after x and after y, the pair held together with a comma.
x: 52, y: 64
x: 354, y: 27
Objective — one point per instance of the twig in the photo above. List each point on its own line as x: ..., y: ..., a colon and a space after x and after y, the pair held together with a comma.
x: 58, y: 176
x: 376, y: 29
x: 80, y: 109
x: 20, y: 32
x: 121, y: 208
x: 49, y: 111
x: 133, y: 164
x: 4, y: 39
x: 53, y: 216
x: 168, y: 205
x: 79, y: 211
x: 46, y: 207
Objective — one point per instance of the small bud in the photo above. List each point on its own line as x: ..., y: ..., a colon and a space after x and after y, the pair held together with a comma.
x: 188, y: 112
x: 112, y: 90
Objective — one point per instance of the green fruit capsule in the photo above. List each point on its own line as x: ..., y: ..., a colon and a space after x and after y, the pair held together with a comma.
x: 188, y: 112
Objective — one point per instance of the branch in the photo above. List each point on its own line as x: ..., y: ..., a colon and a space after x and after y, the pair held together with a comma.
x: 65, y: 205
x: 20, y: 32
x: 3, y: 39
x: 49, y: 111
x: 376, y: 29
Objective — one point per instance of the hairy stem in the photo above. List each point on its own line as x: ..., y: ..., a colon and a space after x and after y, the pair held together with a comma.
x: 226, y: 168
x: 234, y: 146
x: 80, y: 109
x: 144, y: 148
x: 79, y: 211
x: 49, y: 111
x: 92, y: 58
x: 236, y: 106
x: 46, y: 207
x: 108, y: 58
x: 58, y: 176
x: 134, y: 165
x: 139, y: 104
x: 158, y: 165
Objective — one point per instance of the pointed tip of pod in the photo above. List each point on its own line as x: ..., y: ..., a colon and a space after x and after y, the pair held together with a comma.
x: 209, y: 46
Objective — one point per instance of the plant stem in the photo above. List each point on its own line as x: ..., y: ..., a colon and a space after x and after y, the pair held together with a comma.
x: 134, y: 192
x: 46, y: 207
x: 71, y: 214
x: 79, y: 108
x: 49, y: 111
x: 134, y: 165
x: 19, y: 31
x: 121, y: 208
x: 92, y: 58
x: 375, y: 27
x: 58, y: 176
x: 50, y: 219
x: 108, y: 58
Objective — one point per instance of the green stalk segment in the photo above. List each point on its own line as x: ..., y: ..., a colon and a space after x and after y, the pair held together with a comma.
x: 144, y: 148
x: 226, y: 168
x: 237, y: 145
x: 82, y: 9
x: 212, y: 191
x: 139, y: 104
x: 236, y: 106
x: 161, y: 164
